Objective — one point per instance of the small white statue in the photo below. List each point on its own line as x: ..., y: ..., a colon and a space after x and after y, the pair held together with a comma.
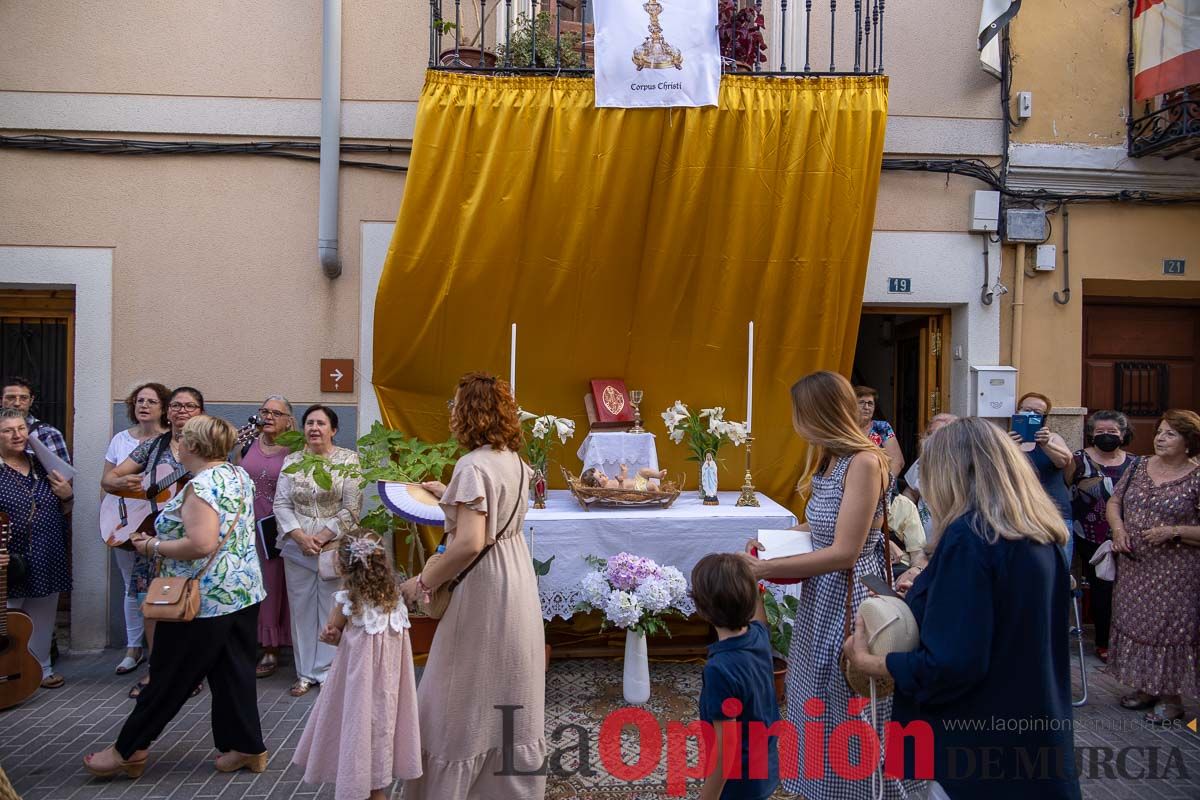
x: 708, y: 480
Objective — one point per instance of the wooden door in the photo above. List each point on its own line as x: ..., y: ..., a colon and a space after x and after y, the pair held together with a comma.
x: 1141, y: 359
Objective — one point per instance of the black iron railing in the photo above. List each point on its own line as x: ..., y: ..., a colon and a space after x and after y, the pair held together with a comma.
x: 556, y: 36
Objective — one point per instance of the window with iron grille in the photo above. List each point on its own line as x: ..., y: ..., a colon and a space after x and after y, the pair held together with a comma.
x: 1141, y: 387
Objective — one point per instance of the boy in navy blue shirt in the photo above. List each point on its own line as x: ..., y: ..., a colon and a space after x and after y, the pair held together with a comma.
x: 739, y: 681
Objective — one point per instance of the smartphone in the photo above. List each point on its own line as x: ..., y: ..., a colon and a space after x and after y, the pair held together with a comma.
x: 1027, y: 425
x: 877, y: 585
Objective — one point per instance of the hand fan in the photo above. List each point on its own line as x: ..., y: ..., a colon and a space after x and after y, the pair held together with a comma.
x: 412, y: 502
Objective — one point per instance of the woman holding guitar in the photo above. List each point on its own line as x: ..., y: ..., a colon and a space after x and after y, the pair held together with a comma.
x: 146, y: 407
x: 37, y: 505
x: 153, y: 469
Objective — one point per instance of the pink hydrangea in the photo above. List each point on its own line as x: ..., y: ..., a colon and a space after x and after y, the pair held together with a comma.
x: 626, y: 571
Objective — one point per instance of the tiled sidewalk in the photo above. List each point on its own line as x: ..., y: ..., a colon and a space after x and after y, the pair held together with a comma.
x: 42, y: 741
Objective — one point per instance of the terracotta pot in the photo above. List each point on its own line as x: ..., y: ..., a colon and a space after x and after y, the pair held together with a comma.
x: 469, y: 57
x: 781, y: 680
x: 421, y: 633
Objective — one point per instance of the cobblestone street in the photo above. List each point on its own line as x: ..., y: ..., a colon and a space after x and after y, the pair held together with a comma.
x: 42, y: 741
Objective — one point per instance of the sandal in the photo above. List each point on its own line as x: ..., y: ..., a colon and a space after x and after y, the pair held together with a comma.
x: 199, y: 688
x: 1165, y: 714
x: 302, y: 687
x: 266, y: 666
x: 136, y: 691
x: 1138, y: 701
x: 53, y: 681
x: 129, y: 663
x: 130, y: 769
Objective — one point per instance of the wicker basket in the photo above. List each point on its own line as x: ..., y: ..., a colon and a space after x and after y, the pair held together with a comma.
x: 589, y: 496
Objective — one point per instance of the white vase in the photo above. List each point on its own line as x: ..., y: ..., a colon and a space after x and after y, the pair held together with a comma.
x: 637, y: 669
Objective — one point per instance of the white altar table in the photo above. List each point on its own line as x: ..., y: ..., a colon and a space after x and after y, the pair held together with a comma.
x: 610, y: 449
x: 678, y: 536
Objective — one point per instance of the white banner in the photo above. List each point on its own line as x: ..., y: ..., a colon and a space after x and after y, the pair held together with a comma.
x: 656, y: 53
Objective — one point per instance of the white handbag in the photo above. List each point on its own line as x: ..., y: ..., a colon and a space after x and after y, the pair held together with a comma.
x: 1103, y: 561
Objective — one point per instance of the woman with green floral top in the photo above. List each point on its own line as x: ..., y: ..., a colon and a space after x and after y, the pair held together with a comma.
x: 207, y: 530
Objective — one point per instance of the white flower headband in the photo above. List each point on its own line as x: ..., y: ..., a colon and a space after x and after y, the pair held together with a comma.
x: 362, y: 548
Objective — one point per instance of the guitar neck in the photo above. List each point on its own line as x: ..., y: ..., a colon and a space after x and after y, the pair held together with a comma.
x: 4, y: 530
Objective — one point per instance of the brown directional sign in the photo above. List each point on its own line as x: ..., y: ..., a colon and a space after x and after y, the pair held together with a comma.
x: 337, y: 374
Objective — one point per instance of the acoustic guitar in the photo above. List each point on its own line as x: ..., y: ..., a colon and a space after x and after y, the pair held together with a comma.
x: 123, y: 512
x: 20, y: 672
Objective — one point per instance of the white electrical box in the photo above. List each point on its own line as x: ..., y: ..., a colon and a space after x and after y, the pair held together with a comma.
x: 1024, y: 105
x: 993, y: 391
x: 1047, y: 256
x: 985, y: 211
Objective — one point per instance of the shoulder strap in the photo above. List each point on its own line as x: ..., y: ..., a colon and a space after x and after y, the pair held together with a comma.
x: 521, y: 499
x: 848, y: 621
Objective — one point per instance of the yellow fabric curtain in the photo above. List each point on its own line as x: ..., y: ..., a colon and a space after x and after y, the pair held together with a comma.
x: 634, y: 244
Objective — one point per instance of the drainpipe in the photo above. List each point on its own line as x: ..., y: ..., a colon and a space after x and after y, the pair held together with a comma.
x: 1018, y: 309
x: 331, y: 130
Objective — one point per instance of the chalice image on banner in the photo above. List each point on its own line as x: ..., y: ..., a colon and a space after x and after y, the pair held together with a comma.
x: 655, y: 53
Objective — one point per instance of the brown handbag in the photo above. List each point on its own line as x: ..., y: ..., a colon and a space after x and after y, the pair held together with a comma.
x: 177, y: 599
x: 859, y: 683
x: 439, y: 598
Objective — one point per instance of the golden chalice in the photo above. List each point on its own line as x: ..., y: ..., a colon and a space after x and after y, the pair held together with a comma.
x: 655, y: 53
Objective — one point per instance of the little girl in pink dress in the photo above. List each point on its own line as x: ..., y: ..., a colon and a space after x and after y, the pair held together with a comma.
x: 363, y: 733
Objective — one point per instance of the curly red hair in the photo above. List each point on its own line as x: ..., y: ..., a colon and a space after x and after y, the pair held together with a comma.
x: 485, y: 413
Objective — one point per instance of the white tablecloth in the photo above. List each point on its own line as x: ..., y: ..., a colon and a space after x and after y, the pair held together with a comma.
x: 678, y: 536
x: 610, y: 449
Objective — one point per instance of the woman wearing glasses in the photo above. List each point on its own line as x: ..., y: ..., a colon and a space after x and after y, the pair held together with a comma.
x: 146, y: 407
x: 158, y: 458
x: 263, y: 459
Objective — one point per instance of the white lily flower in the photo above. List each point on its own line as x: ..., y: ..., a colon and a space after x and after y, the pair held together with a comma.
x: 540, y: 428
x: 735, y: 432
x: 525, y: 416
x: 565, y: 428
x: 677, y: 435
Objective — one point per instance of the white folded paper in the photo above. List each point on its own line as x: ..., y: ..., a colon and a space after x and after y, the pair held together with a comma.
x: 783, y: 543
x: 50, y: 460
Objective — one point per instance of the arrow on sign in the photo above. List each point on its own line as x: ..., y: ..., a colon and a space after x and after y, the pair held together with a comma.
x: 337, y: 377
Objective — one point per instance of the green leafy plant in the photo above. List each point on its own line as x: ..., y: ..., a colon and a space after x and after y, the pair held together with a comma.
x: 705, y: 431
x: 385, y: 454
x: 533, y: 45
x: 539, y: 436
x: 781, y: 619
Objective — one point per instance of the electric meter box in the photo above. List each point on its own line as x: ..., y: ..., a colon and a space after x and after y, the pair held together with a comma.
x: 993, y: 391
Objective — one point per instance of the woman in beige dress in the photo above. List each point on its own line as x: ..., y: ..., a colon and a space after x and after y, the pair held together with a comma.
x: 489, y: 648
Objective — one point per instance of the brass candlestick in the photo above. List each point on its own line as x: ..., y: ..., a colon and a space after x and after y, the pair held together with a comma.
x: 635, y: 398
x: 748, y: 497
x: 654, y: 52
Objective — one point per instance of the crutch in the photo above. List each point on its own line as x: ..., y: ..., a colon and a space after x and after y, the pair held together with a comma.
x: 1077, y: 634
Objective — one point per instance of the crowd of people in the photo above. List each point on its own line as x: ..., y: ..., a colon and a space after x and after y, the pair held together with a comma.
x: 981, y: 525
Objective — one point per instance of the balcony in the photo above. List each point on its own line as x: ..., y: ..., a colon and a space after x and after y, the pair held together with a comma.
x: 555, y: 37
x: 1169, y: 126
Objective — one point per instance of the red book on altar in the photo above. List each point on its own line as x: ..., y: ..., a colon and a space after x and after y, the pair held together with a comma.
x: 611, y: 401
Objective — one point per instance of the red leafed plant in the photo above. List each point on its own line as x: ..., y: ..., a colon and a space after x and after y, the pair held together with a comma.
x: 740, y: 31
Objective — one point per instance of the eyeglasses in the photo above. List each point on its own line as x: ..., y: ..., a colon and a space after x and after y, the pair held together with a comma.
x: 271, y: 413
x: 147, y: 401
x: 184, y: 407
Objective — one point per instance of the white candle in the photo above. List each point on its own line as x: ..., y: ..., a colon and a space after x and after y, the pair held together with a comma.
x: 512, y: 362
x: 750, y: 379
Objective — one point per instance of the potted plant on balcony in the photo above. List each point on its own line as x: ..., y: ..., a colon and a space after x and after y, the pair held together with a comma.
x: 781, y: 617
x: 740, y: 34
x: 533, y: 45
x: 467, y: 54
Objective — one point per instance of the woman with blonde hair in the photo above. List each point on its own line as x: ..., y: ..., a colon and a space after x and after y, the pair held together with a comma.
x: 206, y: 532
x: 992, y: 609
x: 848, y: 477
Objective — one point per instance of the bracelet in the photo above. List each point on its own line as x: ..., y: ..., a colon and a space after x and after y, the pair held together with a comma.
x: 425, y: 590
x: 155, y: 545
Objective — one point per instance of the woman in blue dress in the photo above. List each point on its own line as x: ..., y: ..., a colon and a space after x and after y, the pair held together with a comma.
x: 847, y: 477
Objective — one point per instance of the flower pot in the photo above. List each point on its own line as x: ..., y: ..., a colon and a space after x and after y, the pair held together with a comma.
x: 636, y: 687
x: 421, y: 633
x: 780, y: 680
x: 467, y: 58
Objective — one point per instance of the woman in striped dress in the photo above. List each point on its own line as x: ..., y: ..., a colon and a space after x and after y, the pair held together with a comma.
x: 847, y: 477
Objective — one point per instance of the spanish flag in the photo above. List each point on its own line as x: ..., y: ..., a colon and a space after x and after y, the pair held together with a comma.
x: 1166, y: 35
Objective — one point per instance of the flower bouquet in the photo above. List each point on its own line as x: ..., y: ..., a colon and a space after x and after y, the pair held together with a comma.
x: 636, y: 594
x: 539, y: 441
x: 705, y: 431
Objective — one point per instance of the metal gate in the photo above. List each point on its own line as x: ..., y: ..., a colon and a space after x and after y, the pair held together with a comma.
x: 36, y: 343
